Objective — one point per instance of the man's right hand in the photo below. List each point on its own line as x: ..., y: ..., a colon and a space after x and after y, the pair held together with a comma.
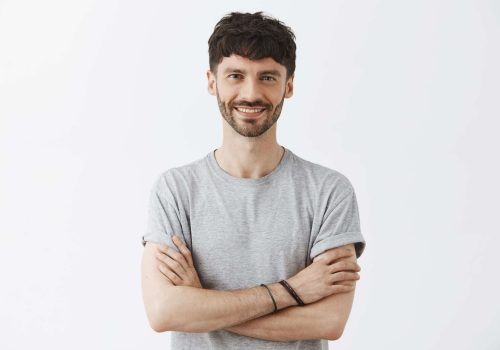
x: 331, y: 272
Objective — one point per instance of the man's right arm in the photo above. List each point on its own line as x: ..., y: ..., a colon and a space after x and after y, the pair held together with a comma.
x: 190, y: 309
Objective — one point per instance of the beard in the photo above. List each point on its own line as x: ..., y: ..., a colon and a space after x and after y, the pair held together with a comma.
x: 250, y: 127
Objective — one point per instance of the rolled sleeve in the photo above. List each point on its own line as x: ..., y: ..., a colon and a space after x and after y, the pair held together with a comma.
x: 163, y: 218
x: 340, y: 226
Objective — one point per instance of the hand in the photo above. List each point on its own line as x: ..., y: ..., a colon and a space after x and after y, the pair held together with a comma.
x: 178, y: 267
x: 334, y: 271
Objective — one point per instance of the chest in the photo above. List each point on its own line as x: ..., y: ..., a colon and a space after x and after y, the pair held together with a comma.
x: 248, y: 238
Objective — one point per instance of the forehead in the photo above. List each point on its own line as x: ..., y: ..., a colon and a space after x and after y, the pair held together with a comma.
x: 235, y: 62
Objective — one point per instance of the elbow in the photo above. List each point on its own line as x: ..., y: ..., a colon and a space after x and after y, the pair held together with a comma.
x: 163, y: 322
x: 335, y: 332
x: 164, y: 310
x: 159, y: 327
x: 169, y: 313
x: 159, y: 319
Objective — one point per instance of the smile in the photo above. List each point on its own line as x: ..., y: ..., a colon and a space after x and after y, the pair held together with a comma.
x: 250, y: 112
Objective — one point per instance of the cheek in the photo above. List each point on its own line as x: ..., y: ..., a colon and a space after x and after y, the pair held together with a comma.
x: 226, y: 96
x: 276, y: 96
x: 276, y: 101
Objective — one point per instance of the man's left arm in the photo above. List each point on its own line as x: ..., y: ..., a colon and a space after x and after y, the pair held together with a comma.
x: 326, y: 318
x: 323, y: 319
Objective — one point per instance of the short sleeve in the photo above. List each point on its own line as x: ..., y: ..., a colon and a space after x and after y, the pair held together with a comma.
x: 340, y: 225
x: 163, y: 218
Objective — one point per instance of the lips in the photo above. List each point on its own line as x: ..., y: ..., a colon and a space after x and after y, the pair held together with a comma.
x: 250, y: 112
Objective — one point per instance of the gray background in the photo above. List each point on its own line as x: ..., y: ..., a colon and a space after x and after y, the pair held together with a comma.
x: 98, y: 97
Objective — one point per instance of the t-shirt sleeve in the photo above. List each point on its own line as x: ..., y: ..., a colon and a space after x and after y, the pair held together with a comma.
x: 163, y: 218
x: 340, y: 225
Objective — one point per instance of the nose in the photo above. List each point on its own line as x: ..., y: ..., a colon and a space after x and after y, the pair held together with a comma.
x: 250, y: 90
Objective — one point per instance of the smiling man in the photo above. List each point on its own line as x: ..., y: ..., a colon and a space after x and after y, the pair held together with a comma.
x: 267, y: 242
x: 246, y: 117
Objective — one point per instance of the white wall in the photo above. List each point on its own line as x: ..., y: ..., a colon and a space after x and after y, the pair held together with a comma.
x: 98, y: 97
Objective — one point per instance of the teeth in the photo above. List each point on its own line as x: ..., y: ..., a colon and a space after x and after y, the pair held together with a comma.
x: 250, y: 110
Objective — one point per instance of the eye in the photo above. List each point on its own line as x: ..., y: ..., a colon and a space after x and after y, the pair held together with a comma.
x: 268, y: 77
x: 234, y: 76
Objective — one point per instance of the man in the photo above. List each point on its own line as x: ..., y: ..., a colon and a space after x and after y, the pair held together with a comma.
x: 267, y: 247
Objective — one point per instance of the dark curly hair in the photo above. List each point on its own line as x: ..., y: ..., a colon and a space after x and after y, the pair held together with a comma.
x: 254, y: 36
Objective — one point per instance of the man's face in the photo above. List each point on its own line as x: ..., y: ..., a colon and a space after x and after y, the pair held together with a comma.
x: 250, y: 93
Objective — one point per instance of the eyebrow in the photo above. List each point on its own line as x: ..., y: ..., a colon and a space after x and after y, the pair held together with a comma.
x: 274, y: 72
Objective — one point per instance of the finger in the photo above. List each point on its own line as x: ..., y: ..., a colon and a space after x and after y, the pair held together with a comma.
x: 174, y: 255
x: 354, y: 263
x: 344, y: 276
x: 346, y: 283
x: 351, y: 265
x: 164, y: 271
x: 172, y: 264
x: 172, y: 277
x: 162, y: 248
x: 344, y: 265
x: 340, y: 288
x: 335, y: 254
x: 179, y: 256
x: 184, y: 250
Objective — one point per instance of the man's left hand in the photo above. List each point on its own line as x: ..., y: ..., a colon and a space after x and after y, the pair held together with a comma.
x: 178, y: 267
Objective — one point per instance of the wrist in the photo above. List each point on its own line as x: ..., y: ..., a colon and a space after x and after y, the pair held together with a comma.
x: 281, y: 296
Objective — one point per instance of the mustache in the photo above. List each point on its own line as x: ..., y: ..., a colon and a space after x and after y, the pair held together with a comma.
x: 257, y: 103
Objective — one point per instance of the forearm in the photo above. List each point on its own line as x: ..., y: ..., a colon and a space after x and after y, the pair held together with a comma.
x: 182, y: 307
x: 189, y: 309
x: 293, y: 323
x: 323, y: 319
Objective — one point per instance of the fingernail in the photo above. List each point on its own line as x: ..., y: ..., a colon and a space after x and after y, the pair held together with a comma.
x: 175, y: 238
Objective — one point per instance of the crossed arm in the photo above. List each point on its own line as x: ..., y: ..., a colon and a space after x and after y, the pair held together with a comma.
x: 323, y: 319
x: 245, y: 312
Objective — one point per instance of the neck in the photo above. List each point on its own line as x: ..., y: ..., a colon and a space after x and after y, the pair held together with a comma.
x: 247, y: 157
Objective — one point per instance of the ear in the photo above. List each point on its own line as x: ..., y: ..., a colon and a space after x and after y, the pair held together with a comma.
x: 289, y: 87
x: 212, y: 83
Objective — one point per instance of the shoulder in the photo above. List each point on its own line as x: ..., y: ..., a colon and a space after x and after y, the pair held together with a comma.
x: 322, y: 178
x: 181, y: 174
x: 177, y: 182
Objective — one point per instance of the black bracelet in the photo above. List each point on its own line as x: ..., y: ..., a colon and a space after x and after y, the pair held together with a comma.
x: 274, y: 302
x: 292, y: 292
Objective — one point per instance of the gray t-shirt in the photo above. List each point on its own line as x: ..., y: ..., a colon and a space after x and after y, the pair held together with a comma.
x: 243, y: 232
